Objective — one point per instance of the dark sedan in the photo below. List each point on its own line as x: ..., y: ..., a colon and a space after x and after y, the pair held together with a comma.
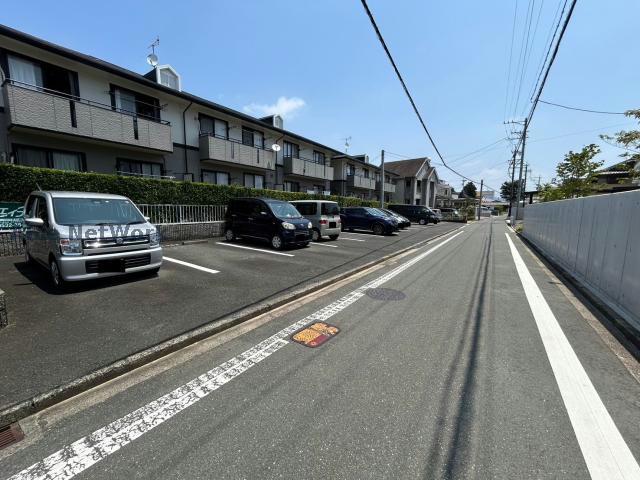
x: 370, y: 219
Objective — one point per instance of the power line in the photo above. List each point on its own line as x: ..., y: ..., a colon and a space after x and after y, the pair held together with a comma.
x: 526, y: 32
x: 581, y: 109
x: 406, y: 90
x: 513, y: 34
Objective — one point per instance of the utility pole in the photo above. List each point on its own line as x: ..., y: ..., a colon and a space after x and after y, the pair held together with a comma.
x: 382, y: 179
x: 480, y: 202
x: 524, y: 140
x: 513, y: 173
x: 524, y: 196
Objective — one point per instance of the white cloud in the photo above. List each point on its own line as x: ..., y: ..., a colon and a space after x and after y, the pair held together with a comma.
x: 287, y: 108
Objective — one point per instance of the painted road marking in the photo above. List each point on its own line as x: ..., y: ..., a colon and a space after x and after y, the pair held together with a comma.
x: 76, y: 457
x: 323, y: 245
x: 315, y: 335
x: 352, y: 239
x: 255, y: 249
x: 604, y: 450
x: 192, y: 265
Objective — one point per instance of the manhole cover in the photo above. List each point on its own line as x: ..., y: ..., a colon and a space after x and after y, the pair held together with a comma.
x: 315, y: 335
x: 385, y: 294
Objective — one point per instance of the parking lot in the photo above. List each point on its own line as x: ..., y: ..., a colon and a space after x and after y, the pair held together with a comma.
x: 54, y: 338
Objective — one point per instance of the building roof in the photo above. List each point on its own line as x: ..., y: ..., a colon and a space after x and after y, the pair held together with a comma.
x: 406, y: 168
x: 141, y: 79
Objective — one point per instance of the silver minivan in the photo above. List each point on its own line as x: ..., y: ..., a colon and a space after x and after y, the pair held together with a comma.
x: 80, y: 236
x: 323, y: 214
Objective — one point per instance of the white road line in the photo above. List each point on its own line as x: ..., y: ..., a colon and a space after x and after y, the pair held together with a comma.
x: 87, y: 451
x: 604, y: 450
x: 352, y: 239
x: 255, y: 249
x: 192, y: 265
x: 322, y: 245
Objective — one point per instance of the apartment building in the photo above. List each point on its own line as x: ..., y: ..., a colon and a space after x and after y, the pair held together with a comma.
x: 354, y: 176
x: 63, y: 109
x: 415, y: 180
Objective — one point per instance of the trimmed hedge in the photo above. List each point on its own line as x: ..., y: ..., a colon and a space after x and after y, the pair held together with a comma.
x: 17, y: 182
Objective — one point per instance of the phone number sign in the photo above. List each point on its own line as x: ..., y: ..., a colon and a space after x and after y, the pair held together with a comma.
x: 11, y: 216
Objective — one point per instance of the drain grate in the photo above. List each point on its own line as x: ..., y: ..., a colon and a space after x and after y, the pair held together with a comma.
x: 385, y: 294
x: 10, y: 434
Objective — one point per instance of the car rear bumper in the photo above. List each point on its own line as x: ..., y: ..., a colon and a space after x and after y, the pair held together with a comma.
x: 326, y: 231
x: 86, y: 267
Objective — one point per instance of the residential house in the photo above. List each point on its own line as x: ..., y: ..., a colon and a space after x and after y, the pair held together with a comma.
x: 416, y: 181
x: 617, y: 178
x: 63, y: 109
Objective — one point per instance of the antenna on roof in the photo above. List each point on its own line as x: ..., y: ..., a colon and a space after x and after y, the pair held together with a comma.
x: 347, y: 144
x: 152, y: 58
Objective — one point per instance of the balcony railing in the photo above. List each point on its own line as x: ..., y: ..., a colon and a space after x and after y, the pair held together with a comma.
x: 358, y: 181
x: 213, y: 147
x: 388, y: 187
x: 37, y: 107
x: 307, y: 168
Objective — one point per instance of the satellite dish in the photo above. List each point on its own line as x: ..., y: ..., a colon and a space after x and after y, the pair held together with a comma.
x: 275, y: 147
x: 152, y: 59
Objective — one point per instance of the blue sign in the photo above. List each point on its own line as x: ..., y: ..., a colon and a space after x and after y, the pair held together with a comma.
x: 11, y: 216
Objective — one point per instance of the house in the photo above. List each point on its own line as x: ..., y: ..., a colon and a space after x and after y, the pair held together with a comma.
x: 416, y: 181
x: 617, y: 178
x: 63, y: 109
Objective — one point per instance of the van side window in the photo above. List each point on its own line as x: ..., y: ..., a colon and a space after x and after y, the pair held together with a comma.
x: 42, y: 211
x: 30, y: 211
x: 257, y: 208
x: 330, y: 209
x: 306, y: 208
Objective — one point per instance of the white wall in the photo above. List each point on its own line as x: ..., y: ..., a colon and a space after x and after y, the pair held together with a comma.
x: 597, y: 239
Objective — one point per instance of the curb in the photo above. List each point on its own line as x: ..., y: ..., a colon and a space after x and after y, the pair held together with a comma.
x: 618, y: 326
x: 20, y: 410
x: 4, y: 315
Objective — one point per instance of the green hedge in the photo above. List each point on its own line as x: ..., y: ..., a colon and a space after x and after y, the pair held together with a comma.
x: 17, y: 182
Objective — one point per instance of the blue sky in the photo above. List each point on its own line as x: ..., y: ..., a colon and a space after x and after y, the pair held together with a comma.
x: 320, y: 64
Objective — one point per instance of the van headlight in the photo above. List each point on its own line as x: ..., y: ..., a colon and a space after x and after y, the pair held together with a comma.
x: 288, y: 226
x: 154, y: 239
x: 70, y: 247
x: 309, y: 225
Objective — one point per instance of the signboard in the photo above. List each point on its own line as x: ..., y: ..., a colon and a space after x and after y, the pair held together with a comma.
x: 11, y: 216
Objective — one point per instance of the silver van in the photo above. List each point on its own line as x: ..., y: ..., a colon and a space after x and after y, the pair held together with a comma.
x: 80, y: 236
x: 323, y: 214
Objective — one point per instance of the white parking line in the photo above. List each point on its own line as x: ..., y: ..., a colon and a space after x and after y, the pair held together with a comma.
x: 604, y: 450
x: 192, y: 265
x: 352, y: 239
x: 358, y: 233
x: 255, y: 249
x: 322, y: 245
x: 78, y: 456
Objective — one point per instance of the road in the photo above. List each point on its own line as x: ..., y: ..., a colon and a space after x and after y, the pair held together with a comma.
x: 465, y: 358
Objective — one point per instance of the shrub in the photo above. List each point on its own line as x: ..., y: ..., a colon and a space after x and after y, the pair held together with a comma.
x: 16, y: 182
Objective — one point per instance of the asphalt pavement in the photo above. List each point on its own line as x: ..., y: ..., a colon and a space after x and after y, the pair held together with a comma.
x: 461, y: 359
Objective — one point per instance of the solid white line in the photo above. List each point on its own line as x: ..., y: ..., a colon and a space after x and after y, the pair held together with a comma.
x: 255, y: 249
x: 604, y: 450
x: 87, y: 451
x: 192, y: 265
x: 322, y: 245
x: 352, y: 239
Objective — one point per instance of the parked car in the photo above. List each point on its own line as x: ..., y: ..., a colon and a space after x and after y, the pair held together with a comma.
x: 80, y: 236
x: 275, y: 221
x: 416, y: 213
x: 324, y: 216
x: 366, y: 218
x: 403, y: 222
x: 438, y: 213
x: 451, y: 213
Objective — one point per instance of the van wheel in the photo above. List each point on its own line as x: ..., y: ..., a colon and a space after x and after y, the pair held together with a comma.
x: 276, y: 242
x: 333, y: 237
x: 315, y: 235
x: 378, y: 229
x: 56, y: 276
x: 229, y: 235
x: 422, y: 221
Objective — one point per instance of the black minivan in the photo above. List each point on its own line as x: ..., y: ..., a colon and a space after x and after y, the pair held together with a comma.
x: 276, y: 221
x: 415, y: 213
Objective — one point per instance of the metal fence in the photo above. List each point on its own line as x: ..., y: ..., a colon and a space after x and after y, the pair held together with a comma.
x: 180, y: 214
x: 11, y: 243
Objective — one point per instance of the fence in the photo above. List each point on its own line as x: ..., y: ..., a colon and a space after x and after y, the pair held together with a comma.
x: 172, y: 214
x: 597, y: 240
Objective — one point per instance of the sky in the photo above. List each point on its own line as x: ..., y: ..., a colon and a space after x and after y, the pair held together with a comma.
x: 319, y: 64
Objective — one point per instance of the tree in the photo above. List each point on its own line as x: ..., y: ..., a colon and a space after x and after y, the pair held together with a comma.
x: 550, y: 192
x: 630, y: 141
x: 469, y: 190
x: 576, y: 172
x: 509, y: 190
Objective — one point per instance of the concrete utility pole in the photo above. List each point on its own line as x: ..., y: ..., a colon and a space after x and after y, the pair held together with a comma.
x: 480, y: 202
x: 382, y: 179
x: 524, y: 196
x: 513, y: 173
x: 524, y: 140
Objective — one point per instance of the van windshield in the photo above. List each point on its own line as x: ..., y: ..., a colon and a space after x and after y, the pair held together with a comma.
x: 284, y: 210
x: 95, y: 211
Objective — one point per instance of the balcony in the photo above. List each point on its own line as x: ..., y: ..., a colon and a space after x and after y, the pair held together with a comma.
x: 221, y: 149
x: 356, y: 181
x: 307, y: 168
x: 34, y: 107
x: 388, y: 187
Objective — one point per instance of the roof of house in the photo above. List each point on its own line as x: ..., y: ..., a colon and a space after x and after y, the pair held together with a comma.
x: 141, y: 79
x: 406, y: 168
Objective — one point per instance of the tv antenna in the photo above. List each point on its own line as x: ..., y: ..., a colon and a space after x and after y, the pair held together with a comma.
x: 152, y: 58
x: 347, y: 144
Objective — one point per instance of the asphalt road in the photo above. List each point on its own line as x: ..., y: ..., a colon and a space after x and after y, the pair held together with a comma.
x: 462, y: 359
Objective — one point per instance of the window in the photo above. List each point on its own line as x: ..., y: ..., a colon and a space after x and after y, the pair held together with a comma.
x: 47, y: 158
x: 366, y: 173
x: 318, y: 157
x: 42, y: 211
x: 253, y: 181
x: 169, y: 79
x: 291, y: 150
x: 252, y: 138
x: 216, y: 178
x: 351, y: 170
x: 31, y: 73
x: 291, y: 187
x: 213, y: 127
x: 330, y: 208
x: 133, y: 103
x: 418, y: 184
x: 138, y: 168
x: 306, y: 208
x: 407, y: 183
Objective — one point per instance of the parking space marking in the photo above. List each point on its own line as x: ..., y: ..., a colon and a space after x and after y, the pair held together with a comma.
x: 352, y: 239
x: 255, y: 249
x: 192, y: 265
x: 323, y: 245
x: 359, y: 233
